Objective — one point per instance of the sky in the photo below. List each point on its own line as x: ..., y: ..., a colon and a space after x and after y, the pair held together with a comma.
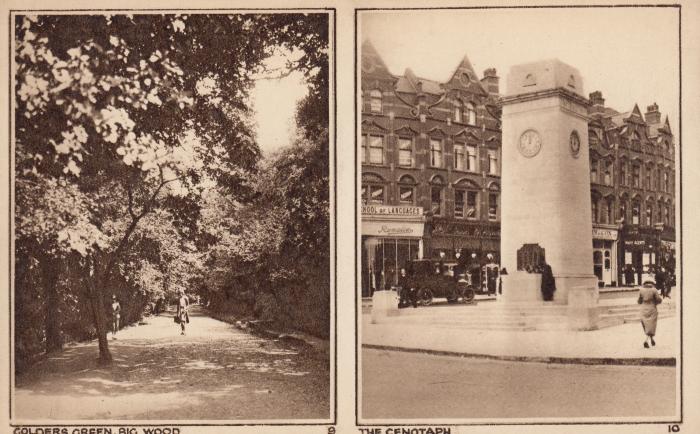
x: 274, y: 101
x: 630, y: 54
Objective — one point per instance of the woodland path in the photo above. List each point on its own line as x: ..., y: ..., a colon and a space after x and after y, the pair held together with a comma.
x: 214, y: 372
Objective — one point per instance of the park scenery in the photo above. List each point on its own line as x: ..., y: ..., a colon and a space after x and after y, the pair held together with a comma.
x: 144, y: 195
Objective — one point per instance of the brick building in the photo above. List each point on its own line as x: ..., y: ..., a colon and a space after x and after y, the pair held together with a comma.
x: 430, y: 155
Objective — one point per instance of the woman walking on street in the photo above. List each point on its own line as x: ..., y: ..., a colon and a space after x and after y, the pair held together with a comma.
x: 649, y: 298
x: 183, y: 305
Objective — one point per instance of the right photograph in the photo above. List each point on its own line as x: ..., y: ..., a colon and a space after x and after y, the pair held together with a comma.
x: 518, y: 236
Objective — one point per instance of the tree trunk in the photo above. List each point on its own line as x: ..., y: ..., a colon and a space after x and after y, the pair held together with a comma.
x: 52, y: 319
x: 100, y: 319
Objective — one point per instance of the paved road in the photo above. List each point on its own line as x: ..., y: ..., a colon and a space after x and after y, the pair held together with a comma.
x: 214, y: 372
x: 419, y: 386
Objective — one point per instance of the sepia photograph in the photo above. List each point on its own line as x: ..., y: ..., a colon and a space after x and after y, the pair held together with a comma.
x: 518, y: 215
x: 172, y: 195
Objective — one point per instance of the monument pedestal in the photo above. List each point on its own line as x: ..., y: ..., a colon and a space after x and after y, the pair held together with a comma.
x: 582, y: 304
x: 521, y: 286
x: 384, y: 304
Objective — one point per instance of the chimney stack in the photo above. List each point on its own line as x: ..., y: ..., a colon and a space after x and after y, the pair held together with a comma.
x: 597, y: 102
x: 652, y: 115
x: 490, y: 81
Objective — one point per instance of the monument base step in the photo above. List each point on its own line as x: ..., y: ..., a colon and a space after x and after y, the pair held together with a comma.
x: 524, y: 316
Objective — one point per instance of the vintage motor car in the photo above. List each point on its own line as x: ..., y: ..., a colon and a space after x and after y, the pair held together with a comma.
x: 426, y: 279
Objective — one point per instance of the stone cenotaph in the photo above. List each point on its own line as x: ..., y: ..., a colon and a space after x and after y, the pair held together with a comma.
x: 546, y: 198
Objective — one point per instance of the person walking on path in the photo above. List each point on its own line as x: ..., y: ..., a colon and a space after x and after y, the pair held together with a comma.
x: 116, y: 314
x: 649, y: 314
x: 182, y: 316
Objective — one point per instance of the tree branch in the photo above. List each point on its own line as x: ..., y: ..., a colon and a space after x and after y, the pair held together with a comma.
x: 131, y: 202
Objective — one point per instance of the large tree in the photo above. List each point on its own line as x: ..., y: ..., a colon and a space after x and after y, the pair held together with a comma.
x: 143, y: 112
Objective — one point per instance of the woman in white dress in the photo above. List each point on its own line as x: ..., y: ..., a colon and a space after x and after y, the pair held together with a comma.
x: 183, y: 305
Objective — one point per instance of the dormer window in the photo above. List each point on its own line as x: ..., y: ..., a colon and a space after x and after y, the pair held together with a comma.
x: 375, y: 101
x: 471, y: 114
x: 458, y: 112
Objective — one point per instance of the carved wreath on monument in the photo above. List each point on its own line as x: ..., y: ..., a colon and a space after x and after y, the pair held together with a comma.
x: 530, y: 258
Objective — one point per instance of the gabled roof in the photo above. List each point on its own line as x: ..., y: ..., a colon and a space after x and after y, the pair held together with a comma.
x: 409, y: 83
x: 619, y: 118
x: 465, y: 67
x: 372, y: 62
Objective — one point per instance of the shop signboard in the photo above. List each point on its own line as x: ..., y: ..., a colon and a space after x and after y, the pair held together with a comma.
x: 604, y: 234
x: 389, y: 210
x: 392, y: 229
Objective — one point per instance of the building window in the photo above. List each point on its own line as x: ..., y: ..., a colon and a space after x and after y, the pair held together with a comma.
x: 375, y: 101
x: 608, y: 172
x: 647, y: 177
x: 465, y: 204
x: 493, y: 163
x: 435, y: 152
x: 666, y: 189
x: 372, y: 194
x: 666, y: 216
x: 635, y: 213
x: 364, y: 149
x: 610, y: 211
x: 471, y: 114
x: 458, y: 112
x: 472, y: 201
x: 406, y: 195
x: 460, y: 196
x: 623, y: 209
x: 649, y: 215
x: 436, y: 200
x: 373, y: 149
x: 405, y: 152
x: 459, y: 157
x: 493, y: 206
x: 471, y: 158
x: 407, y: 190
x: 594, y: 171
x: 635, y: 175
x: 594, y: 210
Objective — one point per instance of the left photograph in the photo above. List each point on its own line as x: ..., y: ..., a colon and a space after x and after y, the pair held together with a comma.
x: 172, y: 217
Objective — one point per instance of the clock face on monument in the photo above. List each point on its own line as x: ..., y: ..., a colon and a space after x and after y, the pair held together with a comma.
x: 530, y: 143
x: 574, y: 143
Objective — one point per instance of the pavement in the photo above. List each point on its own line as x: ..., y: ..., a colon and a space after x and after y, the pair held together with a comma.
x: 214, y: 372
x: 617, y: 345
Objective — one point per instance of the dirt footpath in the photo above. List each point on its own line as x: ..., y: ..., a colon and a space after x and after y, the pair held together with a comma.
x: 215, y: 372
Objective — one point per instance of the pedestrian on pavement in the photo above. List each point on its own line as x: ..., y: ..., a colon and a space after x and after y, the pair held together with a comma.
x: 660, y: 277
x: 548, y: 283
x: 649, y: 298
x: 116, y: 314
x: 182, y: 315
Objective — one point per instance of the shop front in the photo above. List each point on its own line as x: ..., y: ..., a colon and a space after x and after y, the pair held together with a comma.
x: 639, y: 253
x: 391, y: 236
x: 605, y: 241
x: 450, y: 240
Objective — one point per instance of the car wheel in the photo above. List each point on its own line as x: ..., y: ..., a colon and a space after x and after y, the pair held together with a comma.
x: 468, y: 295
x: 425, y: 297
